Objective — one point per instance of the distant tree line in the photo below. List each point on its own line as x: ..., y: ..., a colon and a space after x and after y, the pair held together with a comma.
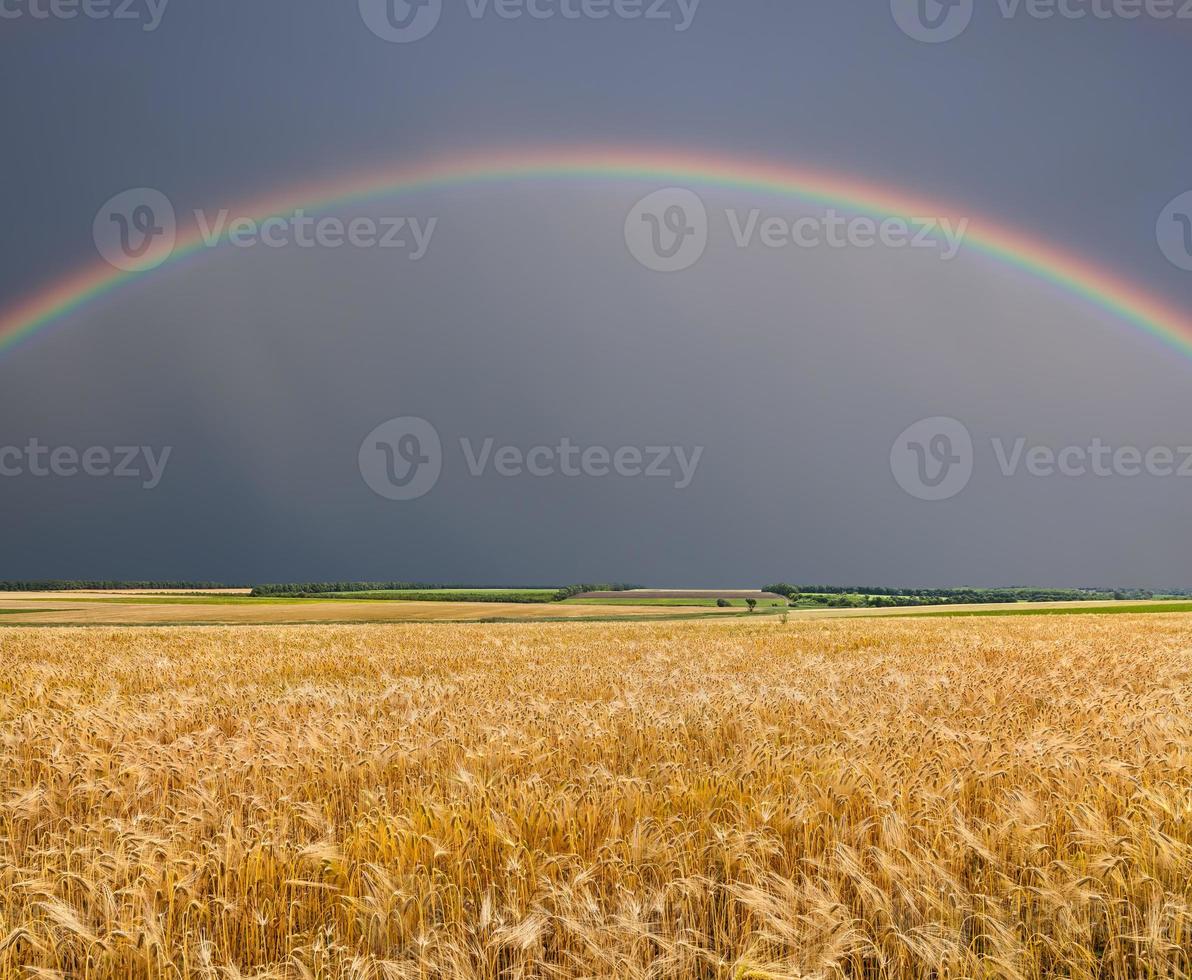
x: 571, y: 591
x: 74, y: 585
x: 885, y: 596
x: 291, y: 589
x: 310, y: 590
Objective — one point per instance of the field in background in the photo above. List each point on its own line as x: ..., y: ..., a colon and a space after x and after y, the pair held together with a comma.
x: 453, y: 595
x: 739, y: 595
x: 771, y: 603
x: 738, y: 799
x: 47, y: 609
x: 182, y: 609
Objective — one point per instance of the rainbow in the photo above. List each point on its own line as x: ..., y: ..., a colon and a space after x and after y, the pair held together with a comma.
x: 1016, y: 249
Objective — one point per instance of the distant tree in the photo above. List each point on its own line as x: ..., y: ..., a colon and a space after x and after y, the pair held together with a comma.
x: 751, y: 603
x: 723, y: 603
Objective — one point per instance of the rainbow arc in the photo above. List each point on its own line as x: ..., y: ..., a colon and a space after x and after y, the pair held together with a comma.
x: 1014, y: 248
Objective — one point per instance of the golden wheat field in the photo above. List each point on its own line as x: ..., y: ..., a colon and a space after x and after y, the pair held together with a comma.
x: 836, y: 798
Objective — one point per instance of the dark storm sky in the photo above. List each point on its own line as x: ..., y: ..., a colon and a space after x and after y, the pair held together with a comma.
x: 528, y: 321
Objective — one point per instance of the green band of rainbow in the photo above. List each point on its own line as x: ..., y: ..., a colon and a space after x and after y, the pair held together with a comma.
x: 1016, y: 249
